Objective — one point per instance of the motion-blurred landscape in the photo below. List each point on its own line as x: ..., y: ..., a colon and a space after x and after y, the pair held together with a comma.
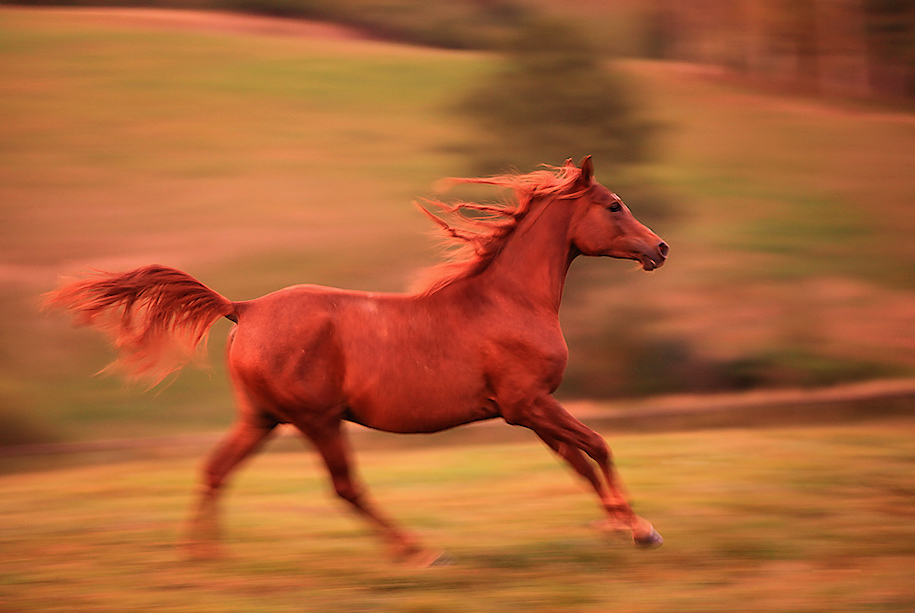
x: 262, y: 143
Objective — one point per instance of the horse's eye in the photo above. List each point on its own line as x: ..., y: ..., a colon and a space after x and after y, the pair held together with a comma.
x: 615, y: 207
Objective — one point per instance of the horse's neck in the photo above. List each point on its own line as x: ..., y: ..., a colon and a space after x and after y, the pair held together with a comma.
x: 532, y: 265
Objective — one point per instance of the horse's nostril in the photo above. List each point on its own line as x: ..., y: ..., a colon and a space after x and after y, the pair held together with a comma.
x: 663, y: 249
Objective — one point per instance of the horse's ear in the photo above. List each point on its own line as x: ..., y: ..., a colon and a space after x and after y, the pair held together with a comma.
x: 587, y: 171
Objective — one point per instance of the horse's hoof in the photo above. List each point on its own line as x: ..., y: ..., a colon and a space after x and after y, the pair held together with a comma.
x: 429, y: 559
x: 444, y: 559
x: 649, y: 541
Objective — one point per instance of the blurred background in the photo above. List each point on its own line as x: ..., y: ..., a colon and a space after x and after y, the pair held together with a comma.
x: 258, y: 144
x: 770, y: 142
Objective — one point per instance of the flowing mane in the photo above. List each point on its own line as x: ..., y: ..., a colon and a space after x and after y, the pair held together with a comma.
x: 475, y: 239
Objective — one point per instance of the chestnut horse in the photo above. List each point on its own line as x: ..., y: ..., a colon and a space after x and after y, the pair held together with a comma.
x: 481, y: 341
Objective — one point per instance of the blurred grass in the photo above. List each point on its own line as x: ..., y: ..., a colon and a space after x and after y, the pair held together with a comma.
x: 789, y: 519
x: 257, y: 161
x: 811, y: 188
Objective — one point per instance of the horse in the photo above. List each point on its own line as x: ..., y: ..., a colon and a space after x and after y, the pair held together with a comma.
x: 480, y: 340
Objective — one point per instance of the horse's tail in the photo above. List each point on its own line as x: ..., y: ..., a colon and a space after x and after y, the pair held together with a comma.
x: 156, y: 316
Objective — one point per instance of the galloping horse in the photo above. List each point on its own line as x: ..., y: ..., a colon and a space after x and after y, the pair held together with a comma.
x: 481, y: 341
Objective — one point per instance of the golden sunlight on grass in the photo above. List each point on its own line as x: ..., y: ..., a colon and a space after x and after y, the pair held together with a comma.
x: 800, y: 519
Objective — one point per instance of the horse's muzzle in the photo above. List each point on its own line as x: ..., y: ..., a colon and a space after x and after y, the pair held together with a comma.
x: 656, y: 259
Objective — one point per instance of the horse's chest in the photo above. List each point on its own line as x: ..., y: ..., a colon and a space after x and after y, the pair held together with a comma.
x: 527, y: 360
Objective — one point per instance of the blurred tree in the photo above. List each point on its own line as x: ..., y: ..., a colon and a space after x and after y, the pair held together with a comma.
x: 795, y: 33
x: 846, y: 47
x: 891, y: 45
x: 554, y: 100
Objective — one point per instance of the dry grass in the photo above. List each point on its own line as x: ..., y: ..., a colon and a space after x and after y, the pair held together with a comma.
x: 806, y: 519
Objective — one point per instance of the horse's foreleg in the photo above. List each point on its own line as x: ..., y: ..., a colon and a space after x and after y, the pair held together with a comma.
x: 618, y: 510
x: 332, y: 444
x: 577, y: 460
x: 244, y: 439
x: 571, y: 439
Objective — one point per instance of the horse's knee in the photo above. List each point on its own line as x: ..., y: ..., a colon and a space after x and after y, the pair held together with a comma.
x: 592, y: 444
x: 604, y: 450
x: 598, y: 449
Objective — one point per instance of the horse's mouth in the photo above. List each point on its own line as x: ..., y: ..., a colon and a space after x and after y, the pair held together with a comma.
x: 652, y: 259
x: 649, y: 263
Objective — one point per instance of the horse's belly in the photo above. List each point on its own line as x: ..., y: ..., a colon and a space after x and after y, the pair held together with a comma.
x: 408, y: 402
x: 419, y: 420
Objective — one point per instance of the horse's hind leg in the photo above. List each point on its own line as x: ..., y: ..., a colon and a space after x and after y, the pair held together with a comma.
x: 245, y: 438
x: 333, y: 446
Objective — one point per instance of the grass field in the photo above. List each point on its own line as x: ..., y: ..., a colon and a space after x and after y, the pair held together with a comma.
x: 256, y: 160
x: 792, y: 519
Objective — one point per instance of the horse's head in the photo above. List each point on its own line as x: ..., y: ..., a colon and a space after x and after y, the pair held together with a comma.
x: 603, y: 225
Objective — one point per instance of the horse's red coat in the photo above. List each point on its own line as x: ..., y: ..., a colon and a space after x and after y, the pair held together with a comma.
x: 482, y: 340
